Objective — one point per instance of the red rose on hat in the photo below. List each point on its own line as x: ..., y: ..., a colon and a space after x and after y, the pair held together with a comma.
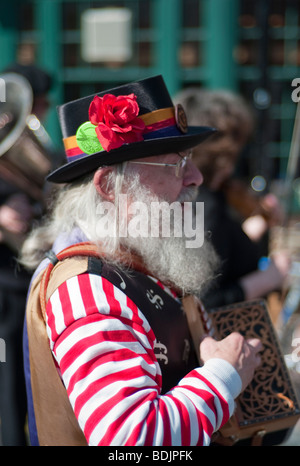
x: 116, y: 120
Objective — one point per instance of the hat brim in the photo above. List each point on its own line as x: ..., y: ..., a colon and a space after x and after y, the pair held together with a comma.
x: 81, y: 167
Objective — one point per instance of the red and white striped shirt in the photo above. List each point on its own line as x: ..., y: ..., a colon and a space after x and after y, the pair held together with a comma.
x: 104, y: 348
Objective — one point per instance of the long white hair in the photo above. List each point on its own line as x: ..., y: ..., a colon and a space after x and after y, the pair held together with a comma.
x: 74, y: 206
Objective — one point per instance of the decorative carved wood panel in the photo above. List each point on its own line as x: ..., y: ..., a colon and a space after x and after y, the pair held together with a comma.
x: 270, y: 397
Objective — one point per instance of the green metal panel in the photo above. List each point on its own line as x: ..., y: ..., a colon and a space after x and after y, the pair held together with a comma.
x: 166, y: 20
x: 48, y: 21
x: 220, y: 20
x: 214, y: 32
x: 8, y: 32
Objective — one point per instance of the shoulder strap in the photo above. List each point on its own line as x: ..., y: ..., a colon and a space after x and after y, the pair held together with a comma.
x: 63, y: 273
x: 74, y: 255
x: 196, y: 321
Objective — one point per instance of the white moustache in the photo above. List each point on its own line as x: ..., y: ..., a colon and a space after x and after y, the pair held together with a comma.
x: 188, y: 194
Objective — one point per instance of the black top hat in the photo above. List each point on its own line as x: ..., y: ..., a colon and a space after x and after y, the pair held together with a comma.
x: 131, y: 121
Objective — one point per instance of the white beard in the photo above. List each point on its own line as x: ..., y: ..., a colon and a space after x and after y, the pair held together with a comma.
x: 168, y: 259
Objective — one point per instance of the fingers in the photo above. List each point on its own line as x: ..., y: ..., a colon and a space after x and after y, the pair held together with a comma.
x: 231, y: 348
x: 255, y: 347
x: 255, y: 343
x: 242, y: 353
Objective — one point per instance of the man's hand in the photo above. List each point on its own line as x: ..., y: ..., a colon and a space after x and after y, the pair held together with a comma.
x: 242, y: 354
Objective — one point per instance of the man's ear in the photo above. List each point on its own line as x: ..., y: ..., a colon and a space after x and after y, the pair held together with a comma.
x: 102, y: 184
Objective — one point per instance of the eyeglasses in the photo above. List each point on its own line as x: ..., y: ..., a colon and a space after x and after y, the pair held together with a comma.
x: 179, y: 166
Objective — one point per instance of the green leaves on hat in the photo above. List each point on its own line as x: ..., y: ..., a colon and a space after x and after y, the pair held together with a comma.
x: 87, y: 139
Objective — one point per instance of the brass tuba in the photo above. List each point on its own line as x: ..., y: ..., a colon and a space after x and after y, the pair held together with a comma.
x: 26, y: 150
x: 25, y: 146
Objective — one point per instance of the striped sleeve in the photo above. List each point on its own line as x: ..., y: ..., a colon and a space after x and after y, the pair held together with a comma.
x: 104, y: 348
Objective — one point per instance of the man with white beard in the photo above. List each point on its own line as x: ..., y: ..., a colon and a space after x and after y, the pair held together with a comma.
x: 108, y: 355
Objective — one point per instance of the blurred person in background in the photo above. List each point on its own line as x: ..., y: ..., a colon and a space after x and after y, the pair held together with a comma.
x: 16, y: 216
x: 239, y: 240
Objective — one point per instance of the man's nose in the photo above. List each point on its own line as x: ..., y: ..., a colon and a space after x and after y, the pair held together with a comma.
x: 192, y: 175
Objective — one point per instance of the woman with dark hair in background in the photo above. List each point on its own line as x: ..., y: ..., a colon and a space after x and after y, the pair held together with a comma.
x: 238, y: 242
